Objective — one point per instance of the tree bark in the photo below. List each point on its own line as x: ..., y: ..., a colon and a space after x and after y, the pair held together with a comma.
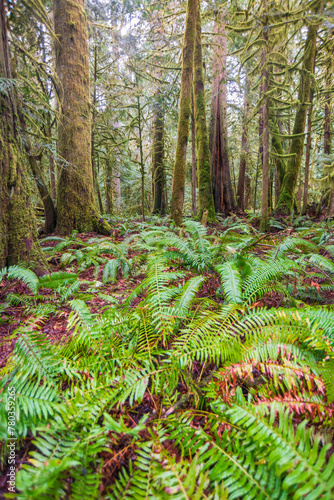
x: 93, y: 151
x: 18, y: 227
x: 328, y: 115
x: 287, y: 196
x: 158, y: 167
x: 205, y: 198
x: 108, y: 175
x: 193, y: 158
x: 179, y: 175
x: 307, y: 155
x: 220, y: 167
x: 244, y: 151
x: 76, y: 207
x: 265, y: 135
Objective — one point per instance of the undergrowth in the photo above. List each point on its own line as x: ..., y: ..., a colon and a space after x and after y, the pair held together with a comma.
x: 170, y: 392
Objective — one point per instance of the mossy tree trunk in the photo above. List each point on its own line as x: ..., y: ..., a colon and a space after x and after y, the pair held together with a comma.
x: 108, y: 175
x: 141, y: 154
x: 287, y: 196
x: 179, y: 175
x: 193, y: 158
x: 159, y: 188
x: 244, y: 151
x: 308, y: 155
x: 279, y: 160
x: 95, y: 168
x: 76, y: 207
x: 328, y: 112
x: 220, y: 166
x: 158, y: 165
x: 265, y: 133
x: 205, y: 198
x: 18, y: 228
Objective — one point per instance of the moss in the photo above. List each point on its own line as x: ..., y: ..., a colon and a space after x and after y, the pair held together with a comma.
x: 18, y: 227
x: 179, y: 175
x: 205, y: 197
x: 286, y: 200
x: 76, y: 206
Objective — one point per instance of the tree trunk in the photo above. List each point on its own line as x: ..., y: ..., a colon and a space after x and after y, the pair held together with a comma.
x: 141, y: 156
x: 76, y: 207
x: 18, y: 228
x: 193, y: 158
x: 244, y: 151
x: 328, y: 116
x: 158, y: 167
x: 179, y: 175
x: 279, y: 160
x: 220, y: 167
x: 286, y: 199
x: 265, y: 136
x: 37, y: 173
x: 49, y: 209
x: 308, y: 155
x: 108, y: 185
x: 93, y: 151
x: 205, y: 198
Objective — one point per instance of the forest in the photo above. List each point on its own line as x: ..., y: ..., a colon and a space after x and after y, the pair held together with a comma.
x: 166, y: 249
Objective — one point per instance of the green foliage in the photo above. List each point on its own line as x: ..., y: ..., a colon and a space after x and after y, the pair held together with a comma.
x: 181, y: 396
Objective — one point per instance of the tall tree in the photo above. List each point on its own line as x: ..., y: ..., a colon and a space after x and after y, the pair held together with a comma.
x: 76, y: 208
x: 286, y: 199
x: 308, y: 154
x: 244, y: 150
x: 159, y: 178
x: 205, y: 198
x: 179, y: 175
x: 220, y: 167
x: 18, y: 229
x: 265, y: 124
x: 158, y: 148
x: 328, y: 110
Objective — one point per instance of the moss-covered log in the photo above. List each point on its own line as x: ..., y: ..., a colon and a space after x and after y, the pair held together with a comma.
x: 179, y: 175
x: 205, y: 198
x: 286, y: 199
x: 18, y: 228
x: 76, y: 207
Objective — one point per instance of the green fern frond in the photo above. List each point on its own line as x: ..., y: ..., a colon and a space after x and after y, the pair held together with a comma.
x: 231, y: 282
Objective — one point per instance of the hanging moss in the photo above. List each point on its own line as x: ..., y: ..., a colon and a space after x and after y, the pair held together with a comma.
x: 158, y: 166
x: 76, y: 207
x: 18, y: 226
x: 286, y: 200
x: 179, y: 175
x: 205, y: 198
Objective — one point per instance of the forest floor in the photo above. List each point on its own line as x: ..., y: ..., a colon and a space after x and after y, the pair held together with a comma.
x: 230, y: 261
x: 55, y: 328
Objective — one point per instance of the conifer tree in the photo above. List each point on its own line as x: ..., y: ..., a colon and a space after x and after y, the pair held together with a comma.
x: 205, y: 198
x: 76, y: 207
x: 158, y: 152
x: 287, y: 197
x: 18, y: 228
x: 220, y: 166
x: 179, y: 175
x: 244, y: 150
x: 265, y: 124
